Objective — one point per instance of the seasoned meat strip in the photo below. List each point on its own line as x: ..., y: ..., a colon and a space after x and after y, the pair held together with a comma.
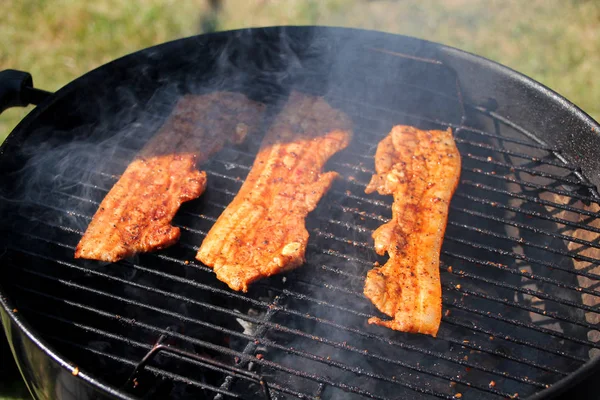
x: 135, y: 216
x: 262, y: 232
x: 421, y: 169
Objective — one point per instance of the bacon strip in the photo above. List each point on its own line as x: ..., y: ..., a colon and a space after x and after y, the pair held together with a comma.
x: 421, y: 169
x: 135, y: 216
x: 262, y: 232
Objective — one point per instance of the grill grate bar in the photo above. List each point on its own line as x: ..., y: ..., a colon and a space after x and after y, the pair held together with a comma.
x: 524, y: 242
x: 520, y: 241
x: 539, y: 160
x: 363, y: 199
x: 512, y: 339
x: 458, y: 323
x: 528, y: 212
x: 225, y: 350
x: 482, y: 159
x: 445, y: 301
x: 366, y: 316
x: 519, y: 272
x: 556, y: 153
x: 179, y: 378
x: 287, y: 330
x: 530, y: 171
x: 332, y: 236
x: 487, y: 160
x: 450, y: 320
x: 361, y: 314
x: 265, y: 304
x: 499, y: 251
x: 517, y: 305
x: 334, y: 253
x: 132, y: 342
x: 505, y: 192
x: 506, y: 207
x: 490, y: 217
x: 503, y: 138
x: 155, y: 370
x: 527, y: 227
x: 451, y: 340
x: 467, y: 292
x: 223, y: 176
x: 499, y: 318
x: 511, y: 153
x: 469, y: 197
x: 506, y: 221
x: 423, y: 351
x: 481, y: 262
x: 499, y: 119
x: 530, y: 199
x: 204, y: 361
x: 496, y: 283
x: 323, y: 360
x: 368, y: 170
x: 518, y: 289
x: 516, y: 322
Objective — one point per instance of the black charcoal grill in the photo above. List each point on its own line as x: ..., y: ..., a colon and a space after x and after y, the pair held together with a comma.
x: 521, y: 257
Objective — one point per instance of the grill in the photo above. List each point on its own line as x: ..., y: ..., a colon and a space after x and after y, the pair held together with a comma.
x: 519, y: 266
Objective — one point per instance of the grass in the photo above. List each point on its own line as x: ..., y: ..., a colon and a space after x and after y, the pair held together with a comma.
x: 557, y: 42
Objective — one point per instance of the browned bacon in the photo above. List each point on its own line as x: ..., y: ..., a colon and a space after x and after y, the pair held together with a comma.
x: 135, y: 216
x: 421, y: 170
x: 262, y: 232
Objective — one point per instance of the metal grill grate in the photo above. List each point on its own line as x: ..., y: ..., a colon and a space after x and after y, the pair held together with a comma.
x: 520, y: 273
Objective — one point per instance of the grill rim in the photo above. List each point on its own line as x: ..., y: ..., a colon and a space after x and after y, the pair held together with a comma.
x: 17, y: 323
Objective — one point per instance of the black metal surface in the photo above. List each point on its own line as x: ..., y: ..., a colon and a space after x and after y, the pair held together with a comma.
x: 46, y: 375
x: 231, y: 371
x: 519, y: 272
x: 16, y: 90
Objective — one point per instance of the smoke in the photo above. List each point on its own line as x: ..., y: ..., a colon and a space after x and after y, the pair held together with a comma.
x: 67, y: 171
x: 58, y: 169
x: 66, y: 160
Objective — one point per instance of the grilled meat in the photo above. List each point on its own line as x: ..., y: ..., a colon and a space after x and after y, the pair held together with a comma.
x: 262, y: 232
x: 421, y: 169
x: 135, y: 216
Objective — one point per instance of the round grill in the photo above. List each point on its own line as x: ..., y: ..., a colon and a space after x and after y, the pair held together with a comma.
x: 520, y: 261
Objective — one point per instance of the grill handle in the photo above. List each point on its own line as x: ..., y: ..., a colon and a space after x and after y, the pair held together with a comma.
x: 16, y: 90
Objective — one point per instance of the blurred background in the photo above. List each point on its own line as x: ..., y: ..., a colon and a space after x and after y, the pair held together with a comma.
x: 556, y: 42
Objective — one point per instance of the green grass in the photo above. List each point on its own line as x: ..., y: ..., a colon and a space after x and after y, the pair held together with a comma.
x: 557, y: 42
